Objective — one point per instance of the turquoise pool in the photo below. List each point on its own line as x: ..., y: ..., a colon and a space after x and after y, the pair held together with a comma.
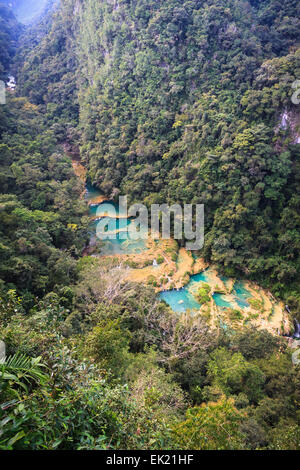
x: 120, y: 243
x: 182, y: 300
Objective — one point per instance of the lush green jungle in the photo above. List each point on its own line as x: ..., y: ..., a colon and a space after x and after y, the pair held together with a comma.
x: 166, y: 101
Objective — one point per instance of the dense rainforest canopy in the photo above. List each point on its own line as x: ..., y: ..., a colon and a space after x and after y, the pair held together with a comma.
x: 183, y: 103
x: 166, y: 101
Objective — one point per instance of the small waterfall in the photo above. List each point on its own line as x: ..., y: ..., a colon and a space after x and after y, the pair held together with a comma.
x: 11, y: 82
x: 284, y: 120
x: 296, y: 334
x: 155, y: 265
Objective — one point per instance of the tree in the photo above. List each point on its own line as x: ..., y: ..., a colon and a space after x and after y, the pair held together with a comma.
x: 213, y: 426
x: 108, y: 345
x: 233, y: 374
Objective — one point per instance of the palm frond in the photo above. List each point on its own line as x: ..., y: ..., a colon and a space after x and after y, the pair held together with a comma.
x: 19, y: 368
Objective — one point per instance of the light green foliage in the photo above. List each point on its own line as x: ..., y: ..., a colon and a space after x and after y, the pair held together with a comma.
x: 20, y: 370
x: 203, y: 293
x: 256, y: 304
x: 108, y: 345
x: 214, y: 426
x: 185, y: 110
x: 233, y: 374
x: 79, y: 410
x: 166, y: 101
x: 235, y: 315
x: 40, y: 198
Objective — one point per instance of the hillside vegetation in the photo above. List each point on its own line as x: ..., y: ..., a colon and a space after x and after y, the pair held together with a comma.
x: 182, y: 102
x: 165, y: 101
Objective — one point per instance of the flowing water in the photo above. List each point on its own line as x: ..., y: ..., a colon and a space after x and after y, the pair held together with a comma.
x: 180, y: 300
x: 183, y: 299
x: 120, y: 243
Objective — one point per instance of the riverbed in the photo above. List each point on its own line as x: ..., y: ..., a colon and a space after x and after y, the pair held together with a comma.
x: 176, y: 274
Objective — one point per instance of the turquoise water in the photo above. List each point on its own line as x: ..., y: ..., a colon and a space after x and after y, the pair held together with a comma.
x: 220, y: 301
x: 241, y: 294
x: 201, y: 277
x: 225, y: 280
x: 108, y: 209
x: 179, y: 300
x: 182, y: 300
x: 121, y: 247
x: 113, y: 224
x: 241, y: 291
x: 91, y: 192
x: 119, y: 243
